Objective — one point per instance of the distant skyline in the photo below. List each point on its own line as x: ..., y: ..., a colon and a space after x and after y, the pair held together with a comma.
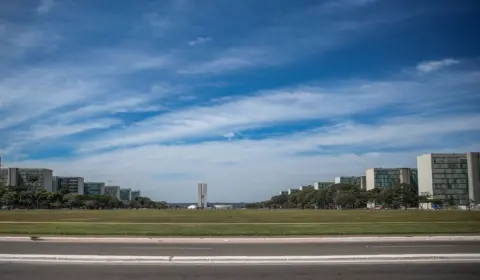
x: 252, y: 97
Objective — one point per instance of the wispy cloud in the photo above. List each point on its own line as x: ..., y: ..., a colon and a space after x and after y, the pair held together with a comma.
x: 434, y: 65
x: 200, y: 40
x: 285, y: 95
x: 45, y: 6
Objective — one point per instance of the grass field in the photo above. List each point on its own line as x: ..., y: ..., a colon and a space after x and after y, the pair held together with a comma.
x: 236, y: 222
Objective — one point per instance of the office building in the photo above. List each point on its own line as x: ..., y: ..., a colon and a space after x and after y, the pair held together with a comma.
x: 291, y: 191
x: 27, y: 177
x: 125, y: 194
x: 202, y: 198
x: 351, y: 180
x: 450, y: 175
x: 68, y: 184
x: 135, y: 194
x: 363, y: 183
x: 383, y: 178
x: 94, y: 188
x: 322, y: 185
x: 304, y: 188
x: 113, y: 191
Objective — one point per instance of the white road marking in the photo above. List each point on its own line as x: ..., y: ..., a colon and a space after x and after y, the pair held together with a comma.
x: 411, y: 246
x: 167, y: 248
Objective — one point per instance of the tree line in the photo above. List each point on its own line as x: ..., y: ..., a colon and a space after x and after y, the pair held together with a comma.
x: 346, y: 196
x: 24, y: 197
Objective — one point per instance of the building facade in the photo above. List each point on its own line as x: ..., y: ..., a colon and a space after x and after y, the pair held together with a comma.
x: 322, y: 185
x: 447, y: 175
x: 68, y: 184
x: 27, y: 177
x: 308, y: 187
x: 113, y: 191
x: 351, y: 180
x: 363, y: 183
x: 384, y: 178
x: 125, y: 194
x: 94, y: 188
x: 135, y: 194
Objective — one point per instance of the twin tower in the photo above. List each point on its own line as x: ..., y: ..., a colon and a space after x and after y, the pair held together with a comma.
x: 202, y: 196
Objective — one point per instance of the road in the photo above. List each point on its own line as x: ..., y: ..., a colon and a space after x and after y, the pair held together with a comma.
x: 344, y: 248
x: 463, y: 271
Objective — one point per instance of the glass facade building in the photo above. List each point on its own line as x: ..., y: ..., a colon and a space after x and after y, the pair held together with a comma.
x: 444, y: 176
x: 351, y: 180
x: 94, y: 188
x: 383, y: 178
x: 125, y: 194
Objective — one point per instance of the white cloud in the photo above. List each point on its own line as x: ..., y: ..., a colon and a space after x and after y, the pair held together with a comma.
x: 229, y: 135
x: 200, y: 40
x: 430, y: 66
x: 45, y: 6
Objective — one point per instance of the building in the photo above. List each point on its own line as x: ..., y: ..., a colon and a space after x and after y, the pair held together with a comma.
x: 27, y: 177
x: 94, y: 188
x: 283, y: 193
x: 68, y: 184
x: 290, y: 191
x: 202, y: 198
x: 125, y: 194
x: 450, y: 175
x: 351, y: 180
x: 113, y: 191
x: 322, y: 185
x: 383, y: 178
x: 304, y: 188
x: 363, y: 183
x: 135, y: 194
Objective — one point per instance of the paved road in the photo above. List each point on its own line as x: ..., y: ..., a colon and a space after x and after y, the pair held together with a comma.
x: 40, y: 247
x: 463, y: 271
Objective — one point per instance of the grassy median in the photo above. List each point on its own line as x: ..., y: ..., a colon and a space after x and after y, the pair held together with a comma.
x: 236, y: 222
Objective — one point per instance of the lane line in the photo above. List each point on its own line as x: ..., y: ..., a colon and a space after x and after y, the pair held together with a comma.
x: 411, y: 246
x: 167, y: 248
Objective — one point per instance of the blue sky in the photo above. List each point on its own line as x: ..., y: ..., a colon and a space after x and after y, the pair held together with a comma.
x: 250, y: 96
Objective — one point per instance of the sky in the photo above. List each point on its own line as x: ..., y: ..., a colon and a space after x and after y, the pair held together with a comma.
x: 251, y: 97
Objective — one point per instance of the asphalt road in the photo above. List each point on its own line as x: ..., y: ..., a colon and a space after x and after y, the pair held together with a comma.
x: 463, y: 271
x: 343, y: 248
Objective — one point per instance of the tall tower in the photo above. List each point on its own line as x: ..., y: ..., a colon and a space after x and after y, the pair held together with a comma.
x: 202, y: 195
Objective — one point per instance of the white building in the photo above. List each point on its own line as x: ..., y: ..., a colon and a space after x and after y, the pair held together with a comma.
x: 450, y: 175
x: 383, y: 178
x: 113, y: 191
x: 27, y: 177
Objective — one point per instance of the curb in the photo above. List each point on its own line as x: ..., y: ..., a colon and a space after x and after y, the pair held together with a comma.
x: 238, y: 259
x: 241, y: 240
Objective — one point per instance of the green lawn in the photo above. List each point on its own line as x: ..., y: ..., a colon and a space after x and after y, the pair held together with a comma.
x: 236, y: 222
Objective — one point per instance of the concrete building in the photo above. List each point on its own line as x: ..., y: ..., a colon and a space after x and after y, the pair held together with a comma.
x: 445, y: 175
x: 304, y: 188
x: 69, y: 184
x: 322, y: 185
x: 363, y: 183
x: 290, y: 191
x: 113, y: 191
x: 473, y: 164
x: 383, y: 178
x: 202, y: 199
x: 94, y: 188
x: 135, y: 194
x: 27, y: 177
x: 352, y: 180
x: 125, y: 194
